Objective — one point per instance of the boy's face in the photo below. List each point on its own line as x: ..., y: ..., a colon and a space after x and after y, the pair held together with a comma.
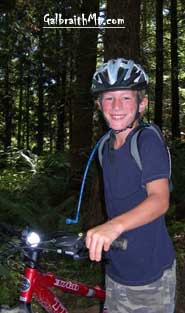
x: 119, y: 107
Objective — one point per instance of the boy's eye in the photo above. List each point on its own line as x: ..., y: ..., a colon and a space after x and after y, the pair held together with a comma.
x: 111, y: 99
x: 108, y: 99
x: 125, y: 98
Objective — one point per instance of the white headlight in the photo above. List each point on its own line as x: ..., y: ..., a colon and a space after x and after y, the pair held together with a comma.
x: 33, y: 239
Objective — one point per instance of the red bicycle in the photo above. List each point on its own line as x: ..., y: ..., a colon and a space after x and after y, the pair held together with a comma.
x: 37, y: 284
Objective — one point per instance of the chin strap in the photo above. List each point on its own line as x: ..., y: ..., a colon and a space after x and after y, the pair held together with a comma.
x: 137, y: 116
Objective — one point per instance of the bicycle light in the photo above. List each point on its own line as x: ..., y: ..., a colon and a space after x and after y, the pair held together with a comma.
x: 33, y: 239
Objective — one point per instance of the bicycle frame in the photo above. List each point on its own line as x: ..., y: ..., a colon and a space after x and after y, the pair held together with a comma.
x: 37, y: 285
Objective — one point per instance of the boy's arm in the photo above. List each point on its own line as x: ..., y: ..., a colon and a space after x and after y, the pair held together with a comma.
x: 156, y: 204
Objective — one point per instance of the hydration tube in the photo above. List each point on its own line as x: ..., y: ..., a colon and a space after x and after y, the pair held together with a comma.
x: 76, y: 219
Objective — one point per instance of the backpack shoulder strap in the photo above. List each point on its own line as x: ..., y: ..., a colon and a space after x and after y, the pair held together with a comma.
x: 157, y: 130
x: 134, y: 150
x: 160, y: 135
x: 102, y: 141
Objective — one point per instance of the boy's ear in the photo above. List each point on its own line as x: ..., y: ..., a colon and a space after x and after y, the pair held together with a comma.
x: 98, y: 104
x: 143, y: 104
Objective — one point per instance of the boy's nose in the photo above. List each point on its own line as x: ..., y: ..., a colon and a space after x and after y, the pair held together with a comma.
x: 116, y: 103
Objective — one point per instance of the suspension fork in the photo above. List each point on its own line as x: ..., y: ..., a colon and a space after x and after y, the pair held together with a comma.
x: 27, y: 285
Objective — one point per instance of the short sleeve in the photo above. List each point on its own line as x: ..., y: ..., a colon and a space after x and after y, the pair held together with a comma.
x: 154, y: 157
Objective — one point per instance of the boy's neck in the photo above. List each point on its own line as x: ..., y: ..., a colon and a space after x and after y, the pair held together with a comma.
x: 120, y: 138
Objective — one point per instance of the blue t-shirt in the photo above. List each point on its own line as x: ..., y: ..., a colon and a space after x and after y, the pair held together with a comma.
x: 150, y: 250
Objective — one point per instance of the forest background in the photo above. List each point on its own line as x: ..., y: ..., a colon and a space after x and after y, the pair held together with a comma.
x: 48, y: 123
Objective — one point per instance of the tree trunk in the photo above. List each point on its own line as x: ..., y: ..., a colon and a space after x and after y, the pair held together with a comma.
x: 144, y: 20
x: 83, y: 105
x: 174, y: 72
x: 123, y: 42
x: 27, y: 113
x: 19, y: 133
x: 40, y: 133
x: 50, y: 128
x: 61, y: 89
x: 7, y: 103
x: 159, y: 64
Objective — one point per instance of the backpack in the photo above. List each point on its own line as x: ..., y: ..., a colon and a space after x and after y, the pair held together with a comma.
x: 134, y: 149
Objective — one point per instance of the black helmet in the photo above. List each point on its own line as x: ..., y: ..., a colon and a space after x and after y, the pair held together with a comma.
x: 119, y: 74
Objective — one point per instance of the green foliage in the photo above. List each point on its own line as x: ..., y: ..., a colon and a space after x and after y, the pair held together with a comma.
x: 176, y: 213
x: 9, y: 286
x: 41, y: 198
x: 178, y: 167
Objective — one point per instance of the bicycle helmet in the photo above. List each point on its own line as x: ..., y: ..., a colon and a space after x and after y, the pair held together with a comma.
x: 119, y: 74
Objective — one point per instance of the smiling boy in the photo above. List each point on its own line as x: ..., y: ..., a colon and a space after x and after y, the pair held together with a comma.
x: 142, y: 278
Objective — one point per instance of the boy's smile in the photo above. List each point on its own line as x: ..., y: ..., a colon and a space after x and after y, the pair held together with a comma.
x: 119, y: 108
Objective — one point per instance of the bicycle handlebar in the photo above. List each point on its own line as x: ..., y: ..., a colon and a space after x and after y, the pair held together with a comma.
x: 64, y: 243
x: 74, y: 245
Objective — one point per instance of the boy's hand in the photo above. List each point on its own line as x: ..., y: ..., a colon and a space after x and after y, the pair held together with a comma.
x: 100, y: 238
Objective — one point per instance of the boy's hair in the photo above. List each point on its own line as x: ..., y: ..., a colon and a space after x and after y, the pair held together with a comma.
x: 140, y: 95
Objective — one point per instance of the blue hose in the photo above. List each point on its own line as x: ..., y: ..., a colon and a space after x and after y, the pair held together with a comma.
x: 75, y: 221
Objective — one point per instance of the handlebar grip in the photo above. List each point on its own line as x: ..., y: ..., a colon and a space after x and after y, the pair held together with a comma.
x: 120, y: 244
